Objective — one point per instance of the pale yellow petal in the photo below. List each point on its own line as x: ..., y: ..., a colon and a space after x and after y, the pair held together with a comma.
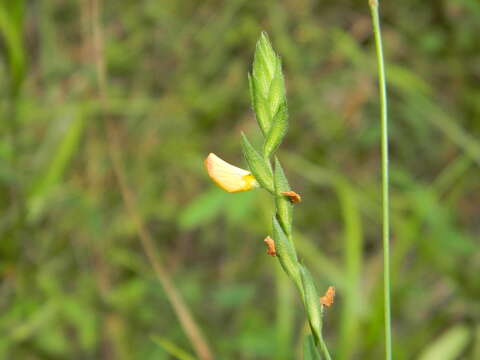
x: 230, y: 178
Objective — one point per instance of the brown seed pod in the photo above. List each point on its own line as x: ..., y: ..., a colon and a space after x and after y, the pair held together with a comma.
x: 270, y: 246
x: 327, y: 300
x: 292, y: 196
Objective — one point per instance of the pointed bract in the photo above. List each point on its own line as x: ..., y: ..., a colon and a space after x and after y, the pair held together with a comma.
x: 311, y: 302
x: 286, y: 253
x: 277, y: 131
x: 258, y: 165
x: 267, y: 92
x: 283, y: 204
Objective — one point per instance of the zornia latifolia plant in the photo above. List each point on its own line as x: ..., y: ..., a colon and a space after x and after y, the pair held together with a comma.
x: 267, y: 92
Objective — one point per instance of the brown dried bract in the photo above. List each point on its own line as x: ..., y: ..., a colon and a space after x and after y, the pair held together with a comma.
x: 292, y: 196
x: 270, y: 246
x: 327, y: 300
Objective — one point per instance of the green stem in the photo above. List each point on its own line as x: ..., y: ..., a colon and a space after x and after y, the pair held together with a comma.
x: 323, y: 347
x: 385, y: 201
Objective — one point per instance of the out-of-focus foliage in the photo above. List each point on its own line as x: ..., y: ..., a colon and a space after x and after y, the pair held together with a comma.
x: 75, y: 282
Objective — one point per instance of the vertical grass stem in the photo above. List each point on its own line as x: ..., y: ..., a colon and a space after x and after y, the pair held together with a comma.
x: 385, y: 179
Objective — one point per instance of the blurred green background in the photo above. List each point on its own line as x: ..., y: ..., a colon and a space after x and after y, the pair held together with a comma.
x: 108, y: 109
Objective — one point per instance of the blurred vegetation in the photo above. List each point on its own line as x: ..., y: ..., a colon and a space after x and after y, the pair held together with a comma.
x: 75, y: 282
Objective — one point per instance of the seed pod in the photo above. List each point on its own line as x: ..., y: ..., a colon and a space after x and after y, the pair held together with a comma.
x: 286, y: 253
x: 283, y: 204
x: 258, y: 165
x: 292, y: 196
x: 311, y: 302
x: 270, y: 246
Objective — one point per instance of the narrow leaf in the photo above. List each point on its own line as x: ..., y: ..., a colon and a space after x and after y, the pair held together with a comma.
x: 203, y: 209
x: 258, y: 165
x: 448, y: 346
x: 283, y: 204
x: 172, y: 349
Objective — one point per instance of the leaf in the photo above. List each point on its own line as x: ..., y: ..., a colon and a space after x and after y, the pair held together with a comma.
x: 277, y: 132
x: 258, y: 165
x: 311, y: 302
x: 202, y: 209
x: 283, y: 204
x: 238, y: 210
x: 449, y: 346
x: 48, y: 178
x: 309, y: 349
x: 11, y: 23
x: 286, y: 253
x: 172, y: 348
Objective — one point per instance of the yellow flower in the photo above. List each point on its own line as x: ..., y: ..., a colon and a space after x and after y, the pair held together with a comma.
x: 230, y: 178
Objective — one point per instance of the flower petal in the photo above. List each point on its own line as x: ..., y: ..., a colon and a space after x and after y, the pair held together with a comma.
x: 230, y: 178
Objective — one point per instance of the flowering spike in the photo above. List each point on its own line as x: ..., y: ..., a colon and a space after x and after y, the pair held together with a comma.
x: 230, y: 178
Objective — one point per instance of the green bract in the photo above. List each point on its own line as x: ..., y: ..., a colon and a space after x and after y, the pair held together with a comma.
x: 277, y: 131
x: 264, y: 65
x: 267, y: 92
x: 286, y: 253
x: 283, y: 204
x: 312, y: 305
x: 258, y: 165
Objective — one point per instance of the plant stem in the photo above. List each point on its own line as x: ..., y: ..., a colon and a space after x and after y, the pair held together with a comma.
x: 385, y: 200
x: 323, y: 347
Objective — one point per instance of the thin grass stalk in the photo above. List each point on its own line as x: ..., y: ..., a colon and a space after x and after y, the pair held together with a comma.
x: 385, y: 177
